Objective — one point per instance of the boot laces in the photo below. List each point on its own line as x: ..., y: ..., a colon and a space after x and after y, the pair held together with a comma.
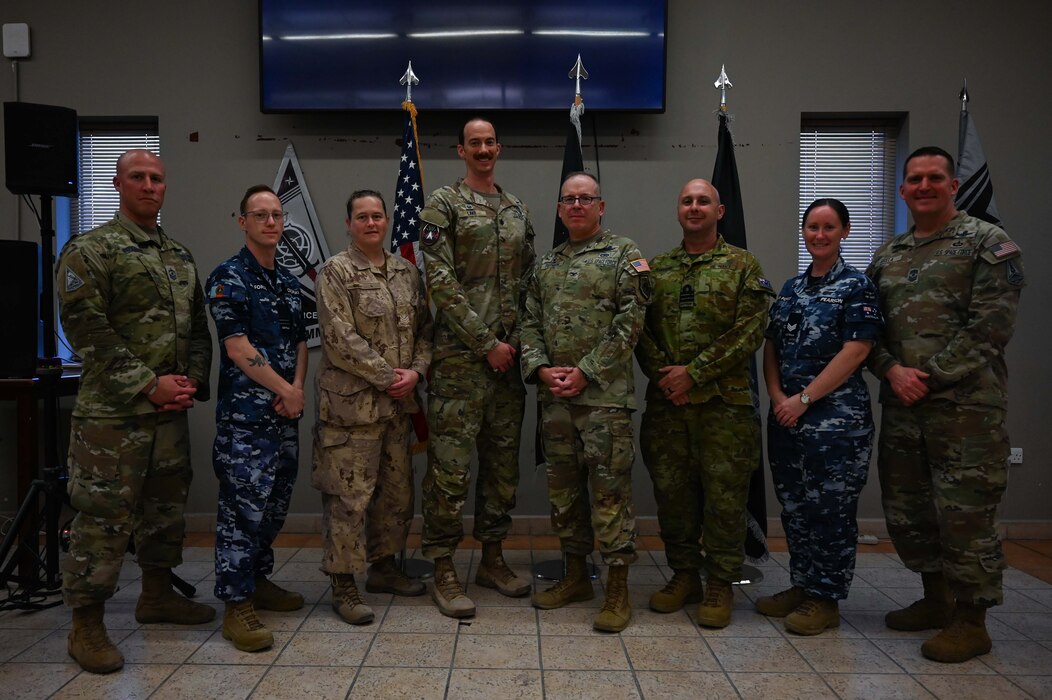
x: 808, y: 607
x: 714, y: 595
x: 616, y: 593
x: 450, y: 586
x: 246, y: 616
x: 499, y: 569
x: 679, y: 580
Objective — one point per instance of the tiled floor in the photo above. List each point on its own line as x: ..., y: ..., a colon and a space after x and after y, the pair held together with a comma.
x: 510, y: 650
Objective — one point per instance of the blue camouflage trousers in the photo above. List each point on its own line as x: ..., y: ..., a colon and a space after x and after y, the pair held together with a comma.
x: 701, y: 458
x: 256, y: 464
x: 818, y: 477
x: 943, y: 470
x: 128, y: 477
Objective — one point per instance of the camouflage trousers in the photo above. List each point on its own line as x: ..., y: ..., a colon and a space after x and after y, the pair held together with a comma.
x: 943, y: 470
x: 128, y: 478
x: 471, y: 408
x: 588, y: 446
x: 365, y: 475
x: 256, y: 465
x: 818, y: 477
x: 701, y: 458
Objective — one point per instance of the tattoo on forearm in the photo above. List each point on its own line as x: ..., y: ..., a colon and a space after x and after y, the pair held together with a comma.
x: 257, y: 361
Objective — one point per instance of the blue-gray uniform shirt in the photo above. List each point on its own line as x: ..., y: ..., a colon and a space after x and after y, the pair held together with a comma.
x: 809, y: 324
x: 245, y: 299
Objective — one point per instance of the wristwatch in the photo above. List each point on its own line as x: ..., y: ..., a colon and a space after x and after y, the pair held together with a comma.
x: 805, y: 398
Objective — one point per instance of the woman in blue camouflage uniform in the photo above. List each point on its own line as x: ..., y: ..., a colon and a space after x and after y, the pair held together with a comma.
x: 820, y: 427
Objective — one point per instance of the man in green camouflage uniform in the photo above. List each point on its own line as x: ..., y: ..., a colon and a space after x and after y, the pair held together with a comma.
x: 701, y: 433
x: 949, y: 288
x: 477, y: 243
x: 131, y: 304
x: 584, y: 311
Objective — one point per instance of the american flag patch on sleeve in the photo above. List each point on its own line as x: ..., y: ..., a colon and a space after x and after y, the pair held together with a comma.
x: 641, y: 265
x: 1004, y: 249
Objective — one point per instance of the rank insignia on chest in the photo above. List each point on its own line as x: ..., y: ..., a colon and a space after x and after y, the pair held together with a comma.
x: 686, y: 297
x: 171, y: 273
x: 913, y: 275
x: 429, y: 234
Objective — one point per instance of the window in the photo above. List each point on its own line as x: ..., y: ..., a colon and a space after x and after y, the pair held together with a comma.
x: 855, y: 161
x: 102, y: 141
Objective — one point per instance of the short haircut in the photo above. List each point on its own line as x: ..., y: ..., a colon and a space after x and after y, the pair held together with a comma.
x: 254, y: 189
x: 590, y: 176
x: 930, y: 151
x: 359, y: 194
x: 476, y: 118
x: 834, y: 204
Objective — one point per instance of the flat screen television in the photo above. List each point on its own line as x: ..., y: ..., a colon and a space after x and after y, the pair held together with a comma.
x: 340, y: 55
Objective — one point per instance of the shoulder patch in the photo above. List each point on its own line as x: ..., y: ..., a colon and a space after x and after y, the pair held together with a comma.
x: 1013, y: 274
x: 218, y: 291
x: 73, y: 282
x: 430, y: 234
x: 1003, y: 249
x: 766, y: 283
x: 641, y: 265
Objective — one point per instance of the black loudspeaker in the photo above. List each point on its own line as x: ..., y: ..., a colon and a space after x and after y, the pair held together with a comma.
x: 20, y: 290
x: 40, y: 149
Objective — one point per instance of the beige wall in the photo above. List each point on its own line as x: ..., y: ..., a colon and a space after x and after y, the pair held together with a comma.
x: 194, y: 65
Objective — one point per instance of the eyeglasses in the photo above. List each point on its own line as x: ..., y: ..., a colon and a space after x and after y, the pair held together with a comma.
x: 262, y: 216
x: 586, y: 200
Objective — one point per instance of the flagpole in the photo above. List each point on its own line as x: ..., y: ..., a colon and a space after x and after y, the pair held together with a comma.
x: 732, y: 228
x: 408, y: 201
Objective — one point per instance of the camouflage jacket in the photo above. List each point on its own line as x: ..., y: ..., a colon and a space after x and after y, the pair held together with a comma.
x: 132, y: 307
x: 709, y: 312
x: 244, y: 300
x: 476, y: 260
x: 810, y: 322
x: 371, y: 322
x: 949, y: 301
x: 584, y: 308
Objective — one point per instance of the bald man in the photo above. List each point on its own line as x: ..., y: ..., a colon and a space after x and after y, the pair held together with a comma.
x: 700, y: 435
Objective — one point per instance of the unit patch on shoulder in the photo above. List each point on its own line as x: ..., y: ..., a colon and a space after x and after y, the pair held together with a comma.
x: 430, y: 234
x: 73, y: 283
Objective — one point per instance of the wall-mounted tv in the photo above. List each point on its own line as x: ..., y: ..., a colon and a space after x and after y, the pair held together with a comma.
x: 339, y: 55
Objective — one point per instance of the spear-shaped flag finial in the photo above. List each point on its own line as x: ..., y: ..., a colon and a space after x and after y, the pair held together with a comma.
x: 963, y: 96
x: 578, y: 73
x: 722, y: 83
x: 409, y: 79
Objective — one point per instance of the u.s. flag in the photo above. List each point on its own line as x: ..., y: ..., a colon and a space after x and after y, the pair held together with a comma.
x: 409, y: 195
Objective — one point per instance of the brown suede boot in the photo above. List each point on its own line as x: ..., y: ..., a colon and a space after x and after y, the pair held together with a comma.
x: 158, y: 602
x: 385, y: 577
x: 243, y: 627
x: 347, y: 600
x: 684, y: 587
x: 716, y: 609
x: 88, y: 643
x: 575, y: 586
x: 781, y: 603
x: 270, y: 596
x: 616, y: 612
x: 964, y: 638
x: 447, y: 592
x: 932, y: 611
x: 494, y: 572
x: 813, y: 616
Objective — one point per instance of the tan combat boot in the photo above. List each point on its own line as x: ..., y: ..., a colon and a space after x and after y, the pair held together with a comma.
x: 574, y: 587
x: 347, y: 601
x: 964, y: 638
x: 385, y: 577
x: 813, y: 616
x: 494, y: 572
x: 781, y: 603
x: 684, y: 587
x: 932, y: 611
x: 270, y: 596
x: 616, y: 612
x: 243, y: 627
x: 158, y: 602
x: 447, y: 592
x: 716, y: 609
x: 88, y: 643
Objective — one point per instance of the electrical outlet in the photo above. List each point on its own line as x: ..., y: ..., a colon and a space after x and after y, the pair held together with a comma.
x: 1016, y: 456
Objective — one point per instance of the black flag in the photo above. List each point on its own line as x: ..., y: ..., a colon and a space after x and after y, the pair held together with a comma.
x: 573, y: 162
x: 732, y: 228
